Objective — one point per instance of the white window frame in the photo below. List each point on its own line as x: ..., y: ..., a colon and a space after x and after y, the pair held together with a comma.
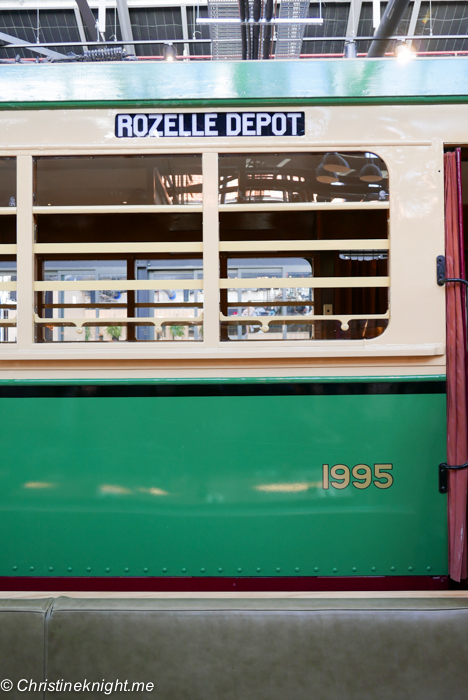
x: 211, y: 347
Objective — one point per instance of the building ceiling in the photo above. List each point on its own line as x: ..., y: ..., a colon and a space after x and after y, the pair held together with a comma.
x: 439, y: 27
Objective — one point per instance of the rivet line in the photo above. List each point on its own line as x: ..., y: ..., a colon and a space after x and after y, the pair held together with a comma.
x: 220, y: 569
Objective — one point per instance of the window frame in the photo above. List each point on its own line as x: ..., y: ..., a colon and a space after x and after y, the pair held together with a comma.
x: 211, y: 347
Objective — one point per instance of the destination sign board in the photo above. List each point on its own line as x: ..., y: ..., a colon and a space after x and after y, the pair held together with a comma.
x: 209, y: 124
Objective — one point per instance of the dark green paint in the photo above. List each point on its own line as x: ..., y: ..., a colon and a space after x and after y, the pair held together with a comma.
x: 272, y: 102
x: 235, y: 84
x: 225, y: 380
x: 76, y: 474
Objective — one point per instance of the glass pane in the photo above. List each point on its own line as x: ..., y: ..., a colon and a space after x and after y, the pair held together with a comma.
x: 7, y: 182
x: 72, y: 305
x: 317, y: 330
x: 302, y: 177
x: 296, y: 225
x: 262, y: 309
x: 7, y: 301
x: 101, y: 180
x: 264, y: 303
x: 174, y: 307
x: 100, y: 315
x: 8, y: 230
x: 118, y: 228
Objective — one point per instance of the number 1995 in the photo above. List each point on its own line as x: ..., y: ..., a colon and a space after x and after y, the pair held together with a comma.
x: 361, y: 476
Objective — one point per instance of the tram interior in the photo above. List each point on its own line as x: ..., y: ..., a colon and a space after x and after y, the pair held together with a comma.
x: 280, y: 179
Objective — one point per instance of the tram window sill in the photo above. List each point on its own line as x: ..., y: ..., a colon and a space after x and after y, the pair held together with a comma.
x: 361, y: 349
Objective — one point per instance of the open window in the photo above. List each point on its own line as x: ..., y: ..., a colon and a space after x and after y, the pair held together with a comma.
x: 293, y: 271
x: 119, y: 249
x: 303, y: 248
x: 8, y: 280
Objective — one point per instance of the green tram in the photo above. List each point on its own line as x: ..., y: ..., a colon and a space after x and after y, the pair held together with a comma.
x: 223, y: 344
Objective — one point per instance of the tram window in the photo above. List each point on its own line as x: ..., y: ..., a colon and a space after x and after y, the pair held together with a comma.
x: 79, y: 306
x: 118, y: 180
x: 151, y: 262
x: 120, y: 228
x: 286, y: 273
x: 8, y: 280
x: 7, y: 301
x: 266, y: 303
x: 301, y: 292
x: 7, y: 230
x: 7, y: 182
x: 302, y: 177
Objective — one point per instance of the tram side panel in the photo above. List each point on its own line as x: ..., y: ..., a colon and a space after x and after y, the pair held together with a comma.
x: 334, y: 479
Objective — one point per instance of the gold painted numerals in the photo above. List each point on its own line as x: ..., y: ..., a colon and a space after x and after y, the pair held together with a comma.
x: 339, y: 476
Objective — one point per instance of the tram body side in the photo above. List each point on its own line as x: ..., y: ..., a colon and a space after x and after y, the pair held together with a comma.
x: 242, y: 460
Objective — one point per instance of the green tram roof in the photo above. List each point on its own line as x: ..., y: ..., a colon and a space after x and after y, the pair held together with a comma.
x: 197, y: 84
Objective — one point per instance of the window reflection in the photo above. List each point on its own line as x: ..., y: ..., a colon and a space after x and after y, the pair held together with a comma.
x: 261, y: 305
x: 117, y: 180
x: 302, y: 177
x: 282, y: 297
x: 7, y: 182
x: 7, y: 302
x: 100, y: 315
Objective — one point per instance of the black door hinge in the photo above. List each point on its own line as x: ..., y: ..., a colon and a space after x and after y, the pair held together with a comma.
x: 441, y: 278
x: 443, y: 474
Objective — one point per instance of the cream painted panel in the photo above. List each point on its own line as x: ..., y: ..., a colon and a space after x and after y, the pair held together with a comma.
x: 341, y: 368
x: 24, y: 256
x: 46, y: 131
x: 313, y: 283
x: 360, y: 244
x: 257, y: 350
x: 97, y: 285
x: 417, y: 303
x: 409, y: 138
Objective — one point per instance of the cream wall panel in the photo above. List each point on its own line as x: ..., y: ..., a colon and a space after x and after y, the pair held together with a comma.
x: 25, y: 256
x: 409, y: 138
x: 46, y: 131
x: 210, y: 251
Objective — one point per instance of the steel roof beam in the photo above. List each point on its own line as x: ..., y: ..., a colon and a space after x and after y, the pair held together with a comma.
x: 19, y: 43
x: 79, y: 23
x: 414, y: 18
x: 387, y: 27
x: 398, y: 37
x: 185, y: 33
x: 88, y: 18
x: 353, y: 18
x: 125, y: 25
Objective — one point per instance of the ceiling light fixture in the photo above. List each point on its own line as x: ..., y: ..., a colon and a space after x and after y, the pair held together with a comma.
x: 325, y: 176
x: 403, y: 51
x: 370, y: 173
x: 169, y: 52
x: 350, y: 49
x: 335, y: 163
